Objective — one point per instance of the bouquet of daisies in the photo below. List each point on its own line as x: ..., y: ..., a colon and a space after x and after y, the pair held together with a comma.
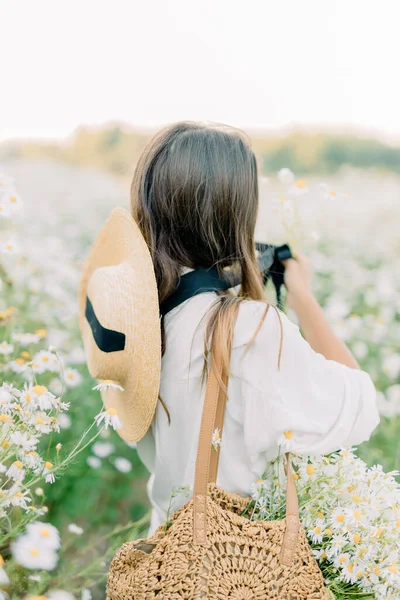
x: 351, y: 514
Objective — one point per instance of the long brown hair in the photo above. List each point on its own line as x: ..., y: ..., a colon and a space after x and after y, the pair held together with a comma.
x: 194, y: 196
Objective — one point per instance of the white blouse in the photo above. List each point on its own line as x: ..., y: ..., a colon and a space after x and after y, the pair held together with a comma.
x: 324, y: 403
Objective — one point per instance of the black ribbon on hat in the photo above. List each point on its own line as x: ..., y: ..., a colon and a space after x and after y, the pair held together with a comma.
x: 107, y: 340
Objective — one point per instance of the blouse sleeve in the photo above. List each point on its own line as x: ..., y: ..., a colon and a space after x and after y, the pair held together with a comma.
x: 321, y: 404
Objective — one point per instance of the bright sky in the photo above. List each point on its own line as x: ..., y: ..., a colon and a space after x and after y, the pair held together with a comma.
x: 249, y: 63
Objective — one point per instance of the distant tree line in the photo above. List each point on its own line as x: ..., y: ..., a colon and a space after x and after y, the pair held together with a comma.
x: 116, y: 149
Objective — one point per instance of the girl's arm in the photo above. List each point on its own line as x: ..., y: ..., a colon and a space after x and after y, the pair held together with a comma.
x: 312, y: 321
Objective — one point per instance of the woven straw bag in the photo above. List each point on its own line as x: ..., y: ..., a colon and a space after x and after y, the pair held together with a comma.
x: 211, y: 549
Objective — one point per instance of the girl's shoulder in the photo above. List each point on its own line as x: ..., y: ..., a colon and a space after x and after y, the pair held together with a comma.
x: 261, y: 322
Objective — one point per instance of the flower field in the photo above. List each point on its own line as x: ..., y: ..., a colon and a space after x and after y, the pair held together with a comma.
x: 70, y: 489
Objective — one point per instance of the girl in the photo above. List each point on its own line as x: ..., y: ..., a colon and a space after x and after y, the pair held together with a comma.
x: 195, y: 197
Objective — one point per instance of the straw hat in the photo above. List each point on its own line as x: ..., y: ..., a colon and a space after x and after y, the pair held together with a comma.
x: 120, y: 323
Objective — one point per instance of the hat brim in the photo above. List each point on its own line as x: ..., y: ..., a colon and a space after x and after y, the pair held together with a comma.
x: 121, y: 240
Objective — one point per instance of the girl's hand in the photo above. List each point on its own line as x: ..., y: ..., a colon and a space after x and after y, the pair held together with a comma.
x: 297, y: 277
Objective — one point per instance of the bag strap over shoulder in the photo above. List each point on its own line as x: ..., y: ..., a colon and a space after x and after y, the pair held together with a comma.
x: 207, y: 458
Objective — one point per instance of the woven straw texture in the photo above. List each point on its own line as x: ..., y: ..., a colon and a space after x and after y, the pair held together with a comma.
x: 242, y: 559
x: 118, y: 277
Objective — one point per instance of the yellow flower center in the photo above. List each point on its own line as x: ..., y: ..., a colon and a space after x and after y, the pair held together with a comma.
x: 317, y: 530
x: 357, y: 538
x: 300, y: 183
x: 34, y: 552
x: 39, y: 389
x: 6, y: 444
x: 20, y: 361
x: 5, y: 418
x: 19, y: 495
x: 340, y: 519
x: 379, y: 532
x: 393, y: 568
x: 48, y: 465
x: 39, y: 421
x: 357, y: 515
x: 13, y: 199
x: 288, y: 435
x: 25, y: 355
x: 45, y: 358
x: 111, y: 411
x: 41, y: 332
x: 328, y: 531
x: 44, y: 532
x: 332, y: 193
x: 295, y: 476
x: 350, y: 568
x: 2, y: 563
x: 377, y: 571
x: 342, y: 559
x: 310, y: 469
x: 18, y: 464
x: 356, y: 499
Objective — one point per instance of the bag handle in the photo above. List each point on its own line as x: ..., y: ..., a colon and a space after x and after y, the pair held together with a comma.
x: 207, y: 460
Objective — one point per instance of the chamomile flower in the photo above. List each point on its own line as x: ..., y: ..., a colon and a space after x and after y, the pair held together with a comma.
x: 6, y: 348
x: 93, y: 462
x: 56, y: 386
x: 16, y: 471
x: 216, y: 439
x: 108, y: 384
x: 286, y: 176
x: 32, y: 459
x: 42, y: 422
x: 17, y: 366
x: 103, y: 449
x: 21, y: 499
x: 25, y: 339
x: 47, y: 360
x: 24, y: 440
x: 73, y: 528
x: 48, y: 472
x: 31, y: 553
x: 123, y: 464
x: 64, y: 421
x: 286, y: 441
x: 110, y: 418
x: 316, y: 533
x: 12, y: 200
x: 72, y: 378
x: 9, y: 247
x: 44, y: 398
x: 46, y: 534
x: 300, y: 188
